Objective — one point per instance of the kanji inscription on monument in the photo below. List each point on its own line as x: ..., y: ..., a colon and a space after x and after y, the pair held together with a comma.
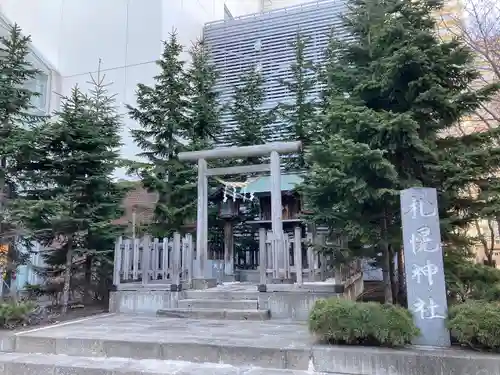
x: 423, y: 259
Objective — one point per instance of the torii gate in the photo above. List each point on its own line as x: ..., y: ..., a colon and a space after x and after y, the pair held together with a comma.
x: 274, y: 149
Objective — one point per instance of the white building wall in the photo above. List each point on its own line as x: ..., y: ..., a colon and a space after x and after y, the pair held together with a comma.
x: 27, y: 273
x: 125, y: 34
x: 242, y: 7
x: 268, y: 5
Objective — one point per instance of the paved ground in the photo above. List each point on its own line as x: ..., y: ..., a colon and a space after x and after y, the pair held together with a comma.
x: 108, y: 344
x: 43, y: 364
x: 170, y: 330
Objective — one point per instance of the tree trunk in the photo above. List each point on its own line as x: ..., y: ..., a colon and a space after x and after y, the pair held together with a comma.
x: 488, y: 252
x: 3, y: 240
x: 386, y: 269
x: 67, y: 278
x: 394, y: 280
x: 401, y: 279
x: 491, y: 249
x: 89, y: 296
x: 386, y: 272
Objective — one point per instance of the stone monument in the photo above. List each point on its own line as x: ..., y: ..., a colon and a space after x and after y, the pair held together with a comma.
x: 423, y: 259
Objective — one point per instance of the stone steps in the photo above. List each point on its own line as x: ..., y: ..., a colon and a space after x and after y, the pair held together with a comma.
x: 204, y: 303
x: 190, y: 350
x: 43, y: 364
x: 215, y: 314
x: 130, y: 345
x: 225, y: 295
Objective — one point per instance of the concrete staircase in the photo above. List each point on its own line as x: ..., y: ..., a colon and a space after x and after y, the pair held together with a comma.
x: 123, y: 345
x: 218, y: 305
x: 113, y: 344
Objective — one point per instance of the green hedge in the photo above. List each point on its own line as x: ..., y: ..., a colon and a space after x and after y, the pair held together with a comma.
x: 476, y: 324
x: 468, y: 281
x: 13, y: 314
x: 341, y: 321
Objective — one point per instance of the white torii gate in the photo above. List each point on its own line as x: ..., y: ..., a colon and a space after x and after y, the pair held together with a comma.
x: 274, y: 150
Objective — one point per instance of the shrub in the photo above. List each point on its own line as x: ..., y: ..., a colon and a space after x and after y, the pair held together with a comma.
x: 469, y: 281
x: 476, y: 324
x: 492, y: 293
x: 34, y: 290
x: 13, y: 314
x: 341, y: 321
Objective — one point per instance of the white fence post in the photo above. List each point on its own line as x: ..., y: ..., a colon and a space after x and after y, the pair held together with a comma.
x: 275, y: 255
x: 145, y: 264
x: 135, y: 263
x: 286, y: 255
x: 269, y: 255
x: 126, y: 259
x: 169, y: 248
x: 176, y: 258
x: 188, y: 258
x: 297, y: 252
x: 262, y: 256
x: 117, y: 261
x: 155, y: 252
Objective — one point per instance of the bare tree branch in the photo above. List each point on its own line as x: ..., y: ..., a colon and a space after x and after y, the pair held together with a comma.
x: 477, y: 24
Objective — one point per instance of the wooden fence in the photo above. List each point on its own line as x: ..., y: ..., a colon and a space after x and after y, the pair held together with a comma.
x: 149, y: 260
x: 283, y: 260
x: 299, y: 258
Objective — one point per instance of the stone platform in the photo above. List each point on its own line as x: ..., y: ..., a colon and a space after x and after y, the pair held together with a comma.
x: 131, y: 345
x: 264, y: 344
x: 273, y: 300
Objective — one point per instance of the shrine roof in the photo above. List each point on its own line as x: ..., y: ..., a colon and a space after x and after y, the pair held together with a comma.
x: 263, y: 183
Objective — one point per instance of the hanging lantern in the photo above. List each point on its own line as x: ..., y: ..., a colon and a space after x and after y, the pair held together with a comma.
x: 229, y: 209
x: 232, y: 195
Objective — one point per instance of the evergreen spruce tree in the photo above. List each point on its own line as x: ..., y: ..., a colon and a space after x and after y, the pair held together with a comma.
x: 252, y: 121
x: 253, y: 127
x: 162, y: 115
x: 203, y: 128
x: 108, y: 196
x: 299, y: 115
x: 395, y: 90
x: 15, y: 119
x: 71, y: 204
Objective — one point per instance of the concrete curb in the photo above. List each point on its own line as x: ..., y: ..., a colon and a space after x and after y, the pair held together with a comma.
x: 324, y: 359
x: 39, y: 364
x: 410, y: 361
x: 7, y: 342
x: 265, y: 357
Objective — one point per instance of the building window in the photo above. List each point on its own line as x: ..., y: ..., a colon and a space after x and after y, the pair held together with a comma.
x: 39, y: 85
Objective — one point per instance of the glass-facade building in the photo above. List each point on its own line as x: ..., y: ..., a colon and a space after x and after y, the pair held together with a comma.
x: 263, y: 41
x: 42, y: 83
